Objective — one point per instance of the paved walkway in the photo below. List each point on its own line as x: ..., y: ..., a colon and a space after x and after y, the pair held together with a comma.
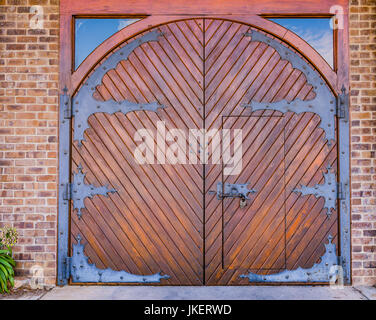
x: 209, y: 293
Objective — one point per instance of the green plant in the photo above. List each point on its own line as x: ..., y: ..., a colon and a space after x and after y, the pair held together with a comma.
x: 8, y: 238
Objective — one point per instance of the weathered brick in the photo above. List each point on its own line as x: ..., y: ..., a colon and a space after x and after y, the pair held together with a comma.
x: 369, y: 233
x: 15, y: 46
x: 362, y: 58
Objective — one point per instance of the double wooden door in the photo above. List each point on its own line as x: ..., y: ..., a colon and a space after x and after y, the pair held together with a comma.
x: 159, y: 215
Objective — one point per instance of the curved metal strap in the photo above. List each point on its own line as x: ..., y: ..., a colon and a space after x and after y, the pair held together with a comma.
x: 324, y: 103
x: 84, y: 104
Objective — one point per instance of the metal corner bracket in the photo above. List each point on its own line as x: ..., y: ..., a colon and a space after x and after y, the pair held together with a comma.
x: 82, y: 271
x: 325, y: 271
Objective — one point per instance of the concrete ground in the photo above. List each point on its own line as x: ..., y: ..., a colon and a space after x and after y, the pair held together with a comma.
x: 203, y: 293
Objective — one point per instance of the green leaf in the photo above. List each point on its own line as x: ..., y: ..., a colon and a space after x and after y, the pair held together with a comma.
x: 3, y: 283
x: 7, y: 264
x: 11, y: 280
x: 9, y: 259
x: 4, y: 271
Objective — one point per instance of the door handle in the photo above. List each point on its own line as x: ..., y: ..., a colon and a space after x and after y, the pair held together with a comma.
x: 232, y: 191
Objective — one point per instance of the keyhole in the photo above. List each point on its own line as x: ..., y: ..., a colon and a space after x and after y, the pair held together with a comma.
x: 243, y: 203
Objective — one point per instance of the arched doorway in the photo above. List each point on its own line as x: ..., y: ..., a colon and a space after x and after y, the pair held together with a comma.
x: 180, y: 219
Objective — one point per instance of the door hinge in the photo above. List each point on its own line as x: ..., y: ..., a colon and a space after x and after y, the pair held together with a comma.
x: 343, y: 105
x: 67, y: 195
x: 340, y: 195
x: 342, y: 263
x: 68, y: 266
x: 66, y: 104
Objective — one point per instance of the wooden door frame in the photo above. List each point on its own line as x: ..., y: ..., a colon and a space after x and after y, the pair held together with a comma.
x: 156, y: 13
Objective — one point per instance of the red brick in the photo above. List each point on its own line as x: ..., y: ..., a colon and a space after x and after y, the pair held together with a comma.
x: 364, y: 102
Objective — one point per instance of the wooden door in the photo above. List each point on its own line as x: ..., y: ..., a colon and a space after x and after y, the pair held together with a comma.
x: 279, y: 229
x: 157, y: 219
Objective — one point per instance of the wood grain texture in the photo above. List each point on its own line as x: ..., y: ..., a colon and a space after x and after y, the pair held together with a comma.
x: 158, y: 207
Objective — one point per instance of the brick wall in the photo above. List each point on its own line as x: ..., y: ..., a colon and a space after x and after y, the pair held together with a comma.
x: 363, y: 137
x: 28, y: 131
x: 28, y: 134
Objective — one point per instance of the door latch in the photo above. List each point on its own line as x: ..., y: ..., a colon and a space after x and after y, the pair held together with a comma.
x: 232, y: 191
